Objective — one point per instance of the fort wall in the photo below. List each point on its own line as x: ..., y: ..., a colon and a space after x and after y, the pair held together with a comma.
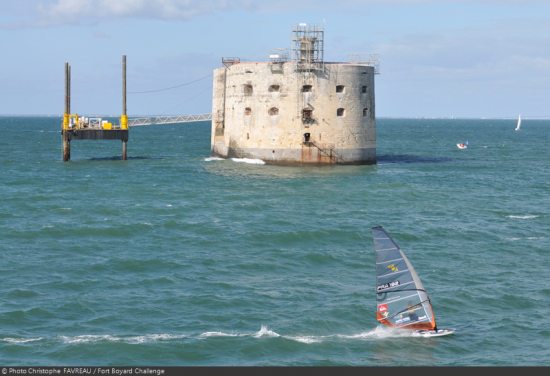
x: 282, y: 116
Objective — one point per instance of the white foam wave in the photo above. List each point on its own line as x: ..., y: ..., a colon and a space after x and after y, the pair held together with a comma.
x: 513, y: 239
x: 20, y: 340
x: 87, y: 338
x: 535, y: 237
x: 305, y: 339
x: 131, y: 340
x: 378, y: 333
x: 246, y: 160
x: 265, y: 332
x: 523, y: 216
x: 213, y: 159
x: 218, y: 334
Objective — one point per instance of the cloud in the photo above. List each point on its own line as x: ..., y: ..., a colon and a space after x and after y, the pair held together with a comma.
x: 89, y: 12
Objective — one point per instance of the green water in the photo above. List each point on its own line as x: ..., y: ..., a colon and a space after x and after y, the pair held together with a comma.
x: 172, y: 259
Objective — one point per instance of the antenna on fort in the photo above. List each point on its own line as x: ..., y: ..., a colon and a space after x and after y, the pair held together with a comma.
x: 308, y: 46
x: 372, y: 60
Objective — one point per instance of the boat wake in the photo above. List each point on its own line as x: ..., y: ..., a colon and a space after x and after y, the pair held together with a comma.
x: 380, y: 332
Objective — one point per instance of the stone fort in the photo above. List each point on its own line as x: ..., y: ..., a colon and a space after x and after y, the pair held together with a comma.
x: 296, y: 109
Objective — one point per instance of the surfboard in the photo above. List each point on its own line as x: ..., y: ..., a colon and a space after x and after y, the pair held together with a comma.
x: 402, y: 302
x: 435, y: 333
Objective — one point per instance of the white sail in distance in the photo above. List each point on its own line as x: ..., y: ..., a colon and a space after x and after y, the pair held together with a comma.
x: 519, y: 123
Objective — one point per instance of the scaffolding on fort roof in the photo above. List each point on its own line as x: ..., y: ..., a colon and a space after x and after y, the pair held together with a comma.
x: 308, y: 46
x: 372, y: 60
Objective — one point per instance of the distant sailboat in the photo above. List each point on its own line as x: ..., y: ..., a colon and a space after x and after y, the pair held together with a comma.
x: 519, y: 123
x: 463, y: 146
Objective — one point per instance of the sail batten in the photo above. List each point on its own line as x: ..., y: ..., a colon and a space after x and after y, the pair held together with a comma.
x: 394, y: 276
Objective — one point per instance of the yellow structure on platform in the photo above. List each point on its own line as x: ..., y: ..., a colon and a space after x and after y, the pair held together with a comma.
x: 124, y: 122
x: 66, y: 121
x: 108, y: 126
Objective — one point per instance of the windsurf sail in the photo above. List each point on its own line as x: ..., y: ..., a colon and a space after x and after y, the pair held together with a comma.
x: 402, y: 301
x: 467, y: 142
x: 519, y: 123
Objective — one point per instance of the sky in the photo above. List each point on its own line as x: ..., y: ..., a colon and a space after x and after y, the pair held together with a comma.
x: 438, y: 58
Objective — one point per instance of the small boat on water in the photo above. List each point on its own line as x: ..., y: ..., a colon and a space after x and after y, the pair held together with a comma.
x: 519, y: 123
x: 463, y: 146
x: 402, y: 302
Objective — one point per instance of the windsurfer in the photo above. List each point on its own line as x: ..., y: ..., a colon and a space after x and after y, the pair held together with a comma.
x: 412, y: 314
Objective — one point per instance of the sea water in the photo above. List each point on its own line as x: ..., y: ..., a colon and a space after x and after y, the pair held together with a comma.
x: 176, y: 258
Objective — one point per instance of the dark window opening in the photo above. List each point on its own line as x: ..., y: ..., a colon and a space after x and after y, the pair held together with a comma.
x: 364, y: 89
x: 247, y: 89
x: 247, y: 136
x: 365, y: 112
x: 274, y: 111
x: 306, y: 137
x: 307, y: 113
x: 340, y: 89
x: 274, y: 88
x: 341, y: 112
x: 248, y: 111
x: 307, y: 88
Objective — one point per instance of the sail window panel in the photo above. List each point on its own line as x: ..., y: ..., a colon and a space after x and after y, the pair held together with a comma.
x: 404, y: 312
x: 384, y: 269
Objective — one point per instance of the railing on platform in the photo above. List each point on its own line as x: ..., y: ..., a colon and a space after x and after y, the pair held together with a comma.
x: 135, y: 122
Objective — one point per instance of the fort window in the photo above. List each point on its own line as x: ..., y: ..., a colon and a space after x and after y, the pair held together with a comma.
x: 340, y: 112
x: 247, y: 89
x: 248, y: 136
x: 307, y: 113
x: 274, y: 88
x: 307, y: 88
x: 365, y: 112
x: 364, y: 89
x: 340, y: 89
x: 247, y: 111
x: 273, y: 111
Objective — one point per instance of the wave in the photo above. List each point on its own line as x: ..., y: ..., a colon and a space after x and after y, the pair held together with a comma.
x: 132, y: 340
x: 247, y: 160
x: 20, y: 340
x: 306, y: 339
x: 380, y: 332
x: 264, y: 332
x: 213, y: 159
x: 218, y: 334
x: 523, y: 216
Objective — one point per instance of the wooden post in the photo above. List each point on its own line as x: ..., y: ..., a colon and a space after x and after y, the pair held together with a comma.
x: 124, y: 119
x: 124, y: 157
x: 69, y: 91
x: 66, y: 141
